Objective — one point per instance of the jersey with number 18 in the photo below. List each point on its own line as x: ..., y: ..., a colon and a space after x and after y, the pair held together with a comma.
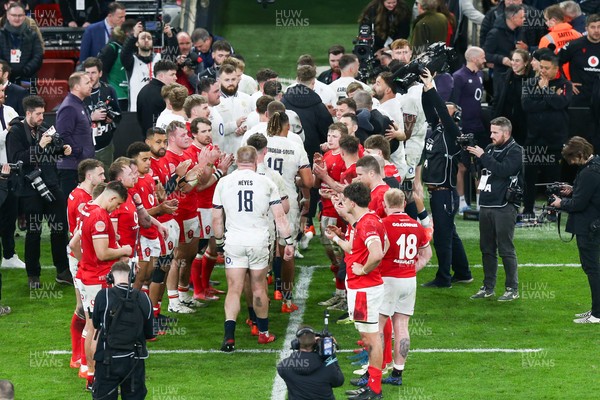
x: 245, y: 196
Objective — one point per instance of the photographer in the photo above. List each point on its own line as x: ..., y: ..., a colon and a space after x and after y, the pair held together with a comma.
x: 502, y: 162
x: 583, y: 206
x: 439, y: 175
x: 27, y: 141
x: 104, y: 111
x: 123, y: 317
x: 4, y: 174
x: 306, y: 373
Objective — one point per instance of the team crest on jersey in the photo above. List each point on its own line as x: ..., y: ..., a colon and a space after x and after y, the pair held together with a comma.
x: 190, y: 234
x: 171, y: 167
x: 135, y: 217
x: 593, y: 61
x: 151, y: 199
x: 100, y: 226
x: 147, y: 251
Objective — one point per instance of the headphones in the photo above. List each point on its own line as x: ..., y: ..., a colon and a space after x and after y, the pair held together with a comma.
x: 295, y: 345
x: 457, y: 116
x: 110, y: 278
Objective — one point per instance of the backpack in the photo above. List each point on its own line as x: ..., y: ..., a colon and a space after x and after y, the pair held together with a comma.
x: 126, y: 326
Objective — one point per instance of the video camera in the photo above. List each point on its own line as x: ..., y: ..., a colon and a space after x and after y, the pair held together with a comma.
x: 368, y: 66
x: 325, y: 346
x: 436, y: 58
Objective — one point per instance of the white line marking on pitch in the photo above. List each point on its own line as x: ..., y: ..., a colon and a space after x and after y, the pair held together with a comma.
x: 528, y: 265
x: 270, y: 351
x: 300, y: 295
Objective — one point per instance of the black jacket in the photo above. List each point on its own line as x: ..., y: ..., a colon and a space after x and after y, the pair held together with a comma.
x: 547, y: 112
x: 533, y: 29
x: 508, y: 102
x: 499, y: 43
x: 20, y: 146
x: 313, y: 114
x: 326, y: 76
x: 501, y: 165
x: 31, y: 53
x: 104, y: 131
x: 441, y: 151
x: 584, y: 204
x: 308, y: 377
x: 150, y: 104
x: 14, y: 95
x: 102, y: 320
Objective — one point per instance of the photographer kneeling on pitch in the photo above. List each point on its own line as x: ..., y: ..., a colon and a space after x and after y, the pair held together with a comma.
x: 39, y: 148
x: 583, y: 207
x: 123, y: 321
x: 312, y: 370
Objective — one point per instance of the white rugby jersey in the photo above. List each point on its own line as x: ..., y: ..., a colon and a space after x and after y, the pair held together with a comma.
x: 286, y: 158
x: 246, y: 197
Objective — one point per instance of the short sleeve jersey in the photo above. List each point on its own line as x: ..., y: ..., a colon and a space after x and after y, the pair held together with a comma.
x: 376, y: 205
x: 96, y: 224
x: 406, y: 237
x: 246, y: 196
x: 126, y: 217
x: 286, y: 158
x: 188, y: 207
x: 145, y: 188
x: 78, y: 198
x: 335, y: 167
x: 160, y: 173
x: 203, y: 197
x: 367, y: 229
x: 348, y: 175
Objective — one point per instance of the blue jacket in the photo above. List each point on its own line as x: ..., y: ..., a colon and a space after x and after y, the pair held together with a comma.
x: 74, y: 125
x: 93, y: 40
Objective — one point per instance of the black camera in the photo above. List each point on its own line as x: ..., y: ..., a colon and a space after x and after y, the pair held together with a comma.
x: 368, y: 66
x: 436, y: 58
x: 465, y: 140
x: 35, y: 177
x: 325, y: 346
x: 17, y: 167
x: 110, y: 111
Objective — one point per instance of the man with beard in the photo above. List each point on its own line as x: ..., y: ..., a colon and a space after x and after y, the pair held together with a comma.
x: 203, y: 264
x: 141, y: 66
x: 209, y: 88
x: 384, y: 90
x: 221, y: 49
x: 234, y: 106
x: 335, y: 53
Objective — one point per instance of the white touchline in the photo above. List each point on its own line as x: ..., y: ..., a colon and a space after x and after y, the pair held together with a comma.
x: 521, y: 265
x: 300, y: 296
x: 271, y: 351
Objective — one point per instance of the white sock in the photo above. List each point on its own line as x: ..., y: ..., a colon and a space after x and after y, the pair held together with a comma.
x: 399, y: 367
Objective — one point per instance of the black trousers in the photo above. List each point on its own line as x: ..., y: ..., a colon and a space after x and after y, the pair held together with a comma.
x: 68, y: 182
x: 448, y: 246
x: 109, y: 378
x: 548, y: 168
x: 589, y: 255
x: 36, y: 210
x: 8, y: 219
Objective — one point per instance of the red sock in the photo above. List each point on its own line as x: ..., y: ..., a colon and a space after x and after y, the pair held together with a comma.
x: 196, y: 276
x: 155, y: 311
x: 375, y: 379
x: 77, y: 325
x: 208, y: 264
x: 83, y: 357
x: 387, y: 343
